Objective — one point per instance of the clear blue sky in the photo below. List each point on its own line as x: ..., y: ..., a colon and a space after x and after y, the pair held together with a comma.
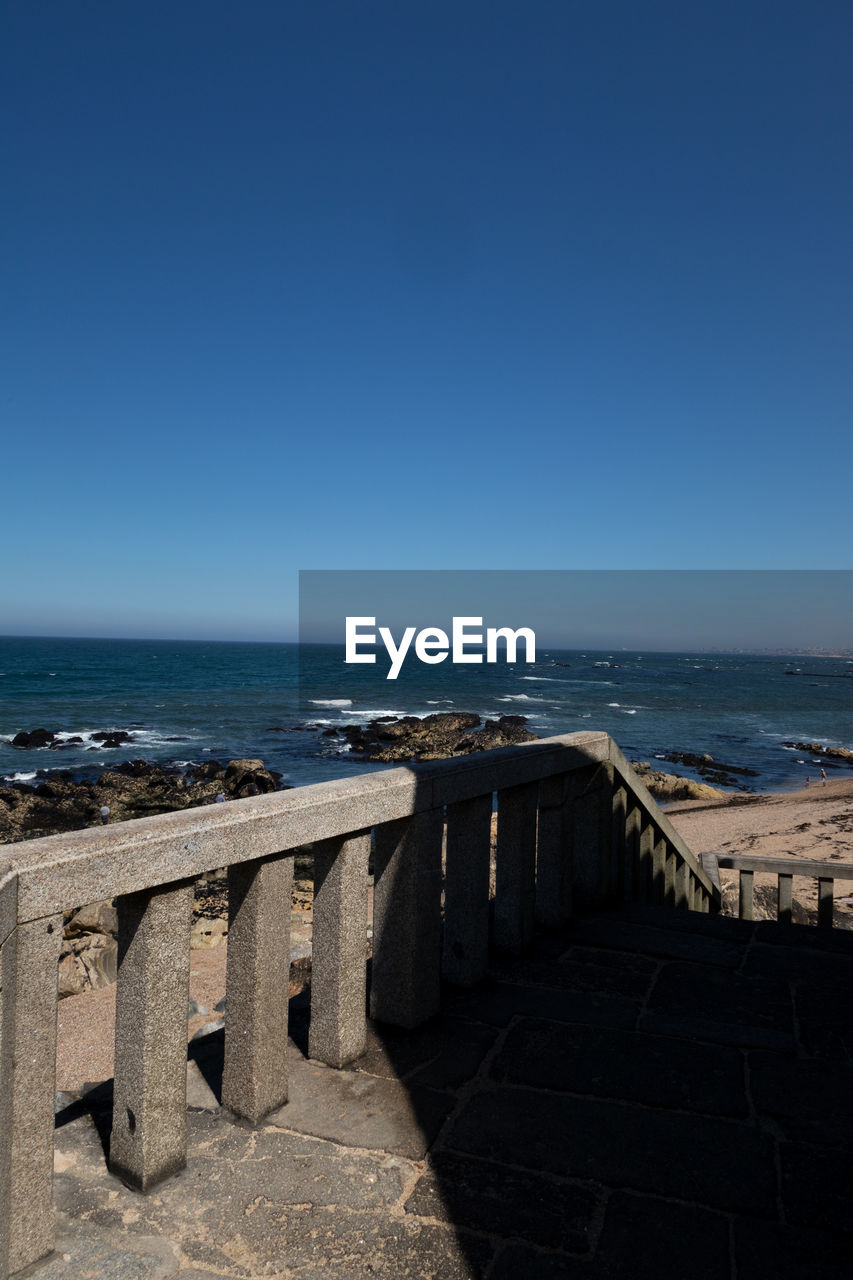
x: 564, y: 284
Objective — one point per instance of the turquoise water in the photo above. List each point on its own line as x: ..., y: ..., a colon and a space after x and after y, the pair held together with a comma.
x: 185, y: 702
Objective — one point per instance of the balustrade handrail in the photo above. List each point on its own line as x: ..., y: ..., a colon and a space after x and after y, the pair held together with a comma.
x: 748, y: 865
x: 789, y: 865
x: 576, y: 829
x: 644, y: 798
x: 62, y: 872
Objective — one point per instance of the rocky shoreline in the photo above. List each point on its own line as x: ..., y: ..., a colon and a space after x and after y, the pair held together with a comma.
x: 138, y: 788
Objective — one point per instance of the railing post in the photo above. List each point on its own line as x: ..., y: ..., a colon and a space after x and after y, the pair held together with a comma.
x: 257, y: 984
x: 633, y: 828
x: 515, y: 879
x: 619, y: 814
x: 785, y: 899
x: 669, y: 878
x: 745, y: 906
x: 824, y: 903
x: 645, y: 862
x: 556, y: 847
x: 465, y: 944
x: 406, y: 981
x: 659, y: 869
x: 149, y: 1134
x: 27, y: 1089
x: 682, y: 878
x: 593, y: 835
x: 339, y: 949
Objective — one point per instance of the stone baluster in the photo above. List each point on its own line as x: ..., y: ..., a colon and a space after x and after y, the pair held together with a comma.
x: 682, y: 885
x: 824, y: 902
x: 30, y: 964
x: 670, y: 857
x: 515, y: 878
x: 645, y: 862
x: 406, y: 980
x: 633, y: 828
x: 785, y: 899
x: 619, y: 815
x: 149, y: 1134
x: 593, y: 835
x: 745, y: 907
x: 257, y: 983
x: 659, y: 869
x: 465, y: 944
x: 339, y: 949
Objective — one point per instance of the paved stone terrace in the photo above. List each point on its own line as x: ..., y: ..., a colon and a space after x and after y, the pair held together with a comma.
x: 654, y: 1094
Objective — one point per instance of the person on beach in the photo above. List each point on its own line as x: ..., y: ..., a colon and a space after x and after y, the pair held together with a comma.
x: 823, y: 776
x: 105, y: 813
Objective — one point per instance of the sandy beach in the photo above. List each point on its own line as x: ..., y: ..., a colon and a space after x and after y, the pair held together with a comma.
x: 815, y: 824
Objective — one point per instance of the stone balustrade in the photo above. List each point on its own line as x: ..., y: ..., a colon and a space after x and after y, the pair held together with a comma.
x: 576, y: 828
x: 825, y: 873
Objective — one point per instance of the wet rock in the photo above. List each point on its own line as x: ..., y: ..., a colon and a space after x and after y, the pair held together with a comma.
x: 208, y: 769
x: 249, y: 778
x: 828, y: 753
x: 112, y: 738
x: 435, y: 737
x: 722, y: 775
x: 131, y: 789
x: 668, y: 787
x: 34, y: 738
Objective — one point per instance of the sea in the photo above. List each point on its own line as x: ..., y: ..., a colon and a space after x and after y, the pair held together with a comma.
x: 185, y: 702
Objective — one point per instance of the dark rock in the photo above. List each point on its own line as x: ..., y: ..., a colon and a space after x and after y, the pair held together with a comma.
x: 35, y: 738
x: 207, y: 769
x: 435, y: 737
x: 113, y: 738
x: 828, y: 753
x: 249, y: 778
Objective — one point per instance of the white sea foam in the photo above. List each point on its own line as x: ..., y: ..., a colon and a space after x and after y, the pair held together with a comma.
x: 614, y: 704
x: 519, y: 697
x: 438, y: 702
x: 373, y: 713
x: 331, y: 702
x: 19, y: 777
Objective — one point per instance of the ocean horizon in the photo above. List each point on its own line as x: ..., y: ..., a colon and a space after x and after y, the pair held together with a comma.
x: 186, y: 701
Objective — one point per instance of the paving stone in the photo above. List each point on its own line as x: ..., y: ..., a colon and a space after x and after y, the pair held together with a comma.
x: 822, y: 1033
x: 489, y: 1197
x: 817, y: 1187
x: 710, y: 1161
x: 622, y: 934
x: 655, y: 1070
x: 768, y: 1249
x: 497, y: 1003
x: 743, y: 1010
x: 582, y: 969
x: 92, y: 1258
x: 801, y: 937
x: 698, y: 925
x: 714, y: 1031
x: 444, y: 1054
x: 648, y: 1239
x: 518, y: 1260
x: 808, y: 1099
x: 801, y: 964
x: 362, y: 1111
